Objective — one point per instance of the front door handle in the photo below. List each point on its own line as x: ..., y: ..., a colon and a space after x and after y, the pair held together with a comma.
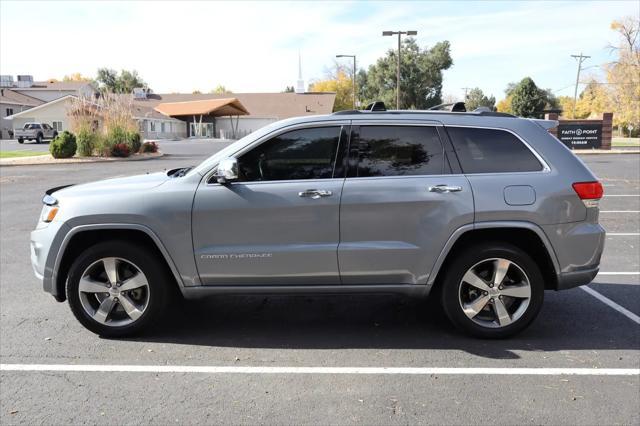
x: 443, y: 189
x: 314, y: 193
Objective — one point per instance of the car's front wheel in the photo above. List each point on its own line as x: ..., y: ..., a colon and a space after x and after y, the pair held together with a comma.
x: 117, y: 289
x: 492, y: 290
x: 20, y: 140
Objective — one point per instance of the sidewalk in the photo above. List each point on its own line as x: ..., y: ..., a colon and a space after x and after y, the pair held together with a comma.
x: 48, y: 159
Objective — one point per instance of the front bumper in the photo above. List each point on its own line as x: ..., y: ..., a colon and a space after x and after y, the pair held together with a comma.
x: 569, y: 280
x: 45, y: 243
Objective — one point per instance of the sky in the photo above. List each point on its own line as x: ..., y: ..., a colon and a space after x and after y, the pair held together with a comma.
x: 182, y: 46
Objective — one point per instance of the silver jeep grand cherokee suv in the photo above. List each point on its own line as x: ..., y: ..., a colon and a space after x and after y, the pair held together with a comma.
x: 482, y: 210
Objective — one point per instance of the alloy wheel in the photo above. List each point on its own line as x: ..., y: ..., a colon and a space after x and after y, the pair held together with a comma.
x: 494, y: 293
x: 114, y: 291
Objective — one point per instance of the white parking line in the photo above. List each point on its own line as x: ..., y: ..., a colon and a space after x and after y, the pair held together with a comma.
x: 322, y: 370
x: 618, y: 273
x: 621, y: 195
x: 627, y: 313
x: 619, y: 211
x: 622, y: 234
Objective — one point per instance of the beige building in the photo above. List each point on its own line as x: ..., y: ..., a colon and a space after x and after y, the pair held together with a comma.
x: 12, y: 102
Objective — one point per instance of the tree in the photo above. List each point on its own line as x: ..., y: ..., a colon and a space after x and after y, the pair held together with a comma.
x: 76, y: 76
x: 110, y: 81
x: 623, y: 76
x: 196, y: 92
x: 338, y: 79
x: 527, y: 99
x: 476, y: 98
x: 420, y: 76
x: 220, y: 90
x: 593, y: 100
x: 289, y: 89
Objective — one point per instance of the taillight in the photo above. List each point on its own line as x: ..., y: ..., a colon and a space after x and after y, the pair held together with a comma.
x: 589, y: 192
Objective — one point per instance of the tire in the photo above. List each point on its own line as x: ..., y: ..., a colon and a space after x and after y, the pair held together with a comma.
x: 20, y: 140
x: 39, y: 139
x: 127, y: 313
x: 493, y: 308
x: 55, y: 135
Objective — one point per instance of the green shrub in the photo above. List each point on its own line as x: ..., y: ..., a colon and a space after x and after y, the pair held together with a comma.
x: 63, y: 146
x: 149, y: 147
x: 86, y: 140
x: 134, y: 142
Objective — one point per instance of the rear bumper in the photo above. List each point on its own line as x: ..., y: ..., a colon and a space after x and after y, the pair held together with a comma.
x: 569, y: 280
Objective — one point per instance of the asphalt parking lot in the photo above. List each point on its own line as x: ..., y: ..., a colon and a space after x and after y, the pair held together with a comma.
x: 323, y: 344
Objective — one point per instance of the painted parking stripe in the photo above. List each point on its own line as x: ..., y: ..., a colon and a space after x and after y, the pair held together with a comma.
x: 621, y: 195
x: 321, y: 370
x: 622, y: 234
x: 627, y: 313
x: 619, y: 211
x: 619, y: 273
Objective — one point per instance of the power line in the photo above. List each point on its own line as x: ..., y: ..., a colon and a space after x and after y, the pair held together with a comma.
x: 465, y: 91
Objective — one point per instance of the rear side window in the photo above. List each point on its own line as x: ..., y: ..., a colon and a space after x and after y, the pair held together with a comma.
x: 399, y: 151
x: 491, y: 151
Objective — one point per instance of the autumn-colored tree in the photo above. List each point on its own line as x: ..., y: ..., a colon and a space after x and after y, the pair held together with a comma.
x: 593, y: 101
x: 338, y: 79
x: 76, y: 76
x: 623, y: 76
x: 505, y: 105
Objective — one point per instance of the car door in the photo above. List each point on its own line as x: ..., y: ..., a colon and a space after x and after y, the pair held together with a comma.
x: 400, y: 203
x: 279, y: 223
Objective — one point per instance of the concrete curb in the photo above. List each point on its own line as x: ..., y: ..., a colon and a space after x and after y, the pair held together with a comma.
x: 48, y: 160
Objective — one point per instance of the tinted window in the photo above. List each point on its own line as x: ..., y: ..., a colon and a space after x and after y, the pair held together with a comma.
x: 299, y: 154
x: 399, y: 151
x: 491, y: 151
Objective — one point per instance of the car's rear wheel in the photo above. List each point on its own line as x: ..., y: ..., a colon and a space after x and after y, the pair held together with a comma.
x: 492, y: 290
x: 20, y: 140
x: 117, y: 289
x: 39, y: 139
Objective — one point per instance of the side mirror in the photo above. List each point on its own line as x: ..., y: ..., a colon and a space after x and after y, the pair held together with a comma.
x: 227, y: 170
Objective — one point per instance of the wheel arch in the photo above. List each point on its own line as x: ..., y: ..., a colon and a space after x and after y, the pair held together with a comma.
x: 527, y: 236
x: 83, y: 236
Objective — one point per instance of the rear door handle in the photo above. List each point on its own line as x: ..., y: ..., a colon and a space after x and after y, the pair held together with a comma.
x: 315, y: 193
x: 444, y: 188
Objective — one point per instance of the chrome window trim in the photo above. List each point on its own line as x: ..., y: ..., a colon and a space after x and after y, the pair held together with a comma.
x: 275, y: 133
x: 545, y: 165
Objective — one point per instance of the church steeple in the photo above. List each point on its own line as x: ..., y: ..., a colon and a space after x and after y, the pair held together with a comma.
x: 300, y: 84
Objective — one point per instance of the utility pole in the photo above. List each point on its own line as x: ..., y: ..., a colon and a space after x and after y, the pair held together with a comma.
x: 354, y: 75
x: 399, y: 33
x: 465, y: 92
x: 580, y: 58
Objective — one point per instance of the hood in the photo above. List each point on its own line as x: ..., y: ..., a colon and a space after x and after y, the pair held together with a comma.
x: 115, y: 185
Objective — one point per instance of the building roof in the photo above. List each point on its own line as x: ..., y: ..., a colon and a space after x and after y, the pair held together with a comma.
x: 56, y: 85
x: 215, y: 107
x: 8, y: 96
x: 259, y: 105
x: 43, y: 105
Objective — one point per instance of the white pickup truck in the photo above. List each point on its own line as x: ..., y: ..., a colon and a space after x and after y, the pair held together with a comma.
x: 35, y: 132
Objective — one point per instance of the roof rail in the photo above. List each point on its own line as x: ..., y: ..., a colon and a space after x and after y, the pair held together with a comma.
x: 452, y: 107
x: 376, y: 106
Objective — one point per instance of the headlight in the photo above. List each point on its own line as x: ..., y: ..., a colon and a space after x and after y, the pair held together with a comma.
x: 48, y: 213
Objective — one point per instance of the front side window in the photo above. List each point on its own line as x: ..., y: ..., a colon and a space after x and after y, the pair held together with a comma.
x: 399, y: 151
x: 298, y: 154
x: 9, y: 111
x: 491, y: 151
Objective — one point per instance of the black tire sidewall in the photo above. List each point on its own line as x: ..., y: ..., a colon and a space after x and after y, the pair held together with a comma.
x: 470, y: 257
x: 154, y: 270
x: 20, y: 140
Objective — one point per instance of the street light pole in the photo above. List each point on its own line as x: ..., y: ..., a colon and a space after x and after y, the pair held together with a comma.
x: 399, y: 33
x: 354, y: 75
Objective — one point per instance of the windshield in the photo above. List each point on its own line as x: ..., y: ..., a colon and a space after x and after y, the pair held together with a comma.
x: 207, y: 164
